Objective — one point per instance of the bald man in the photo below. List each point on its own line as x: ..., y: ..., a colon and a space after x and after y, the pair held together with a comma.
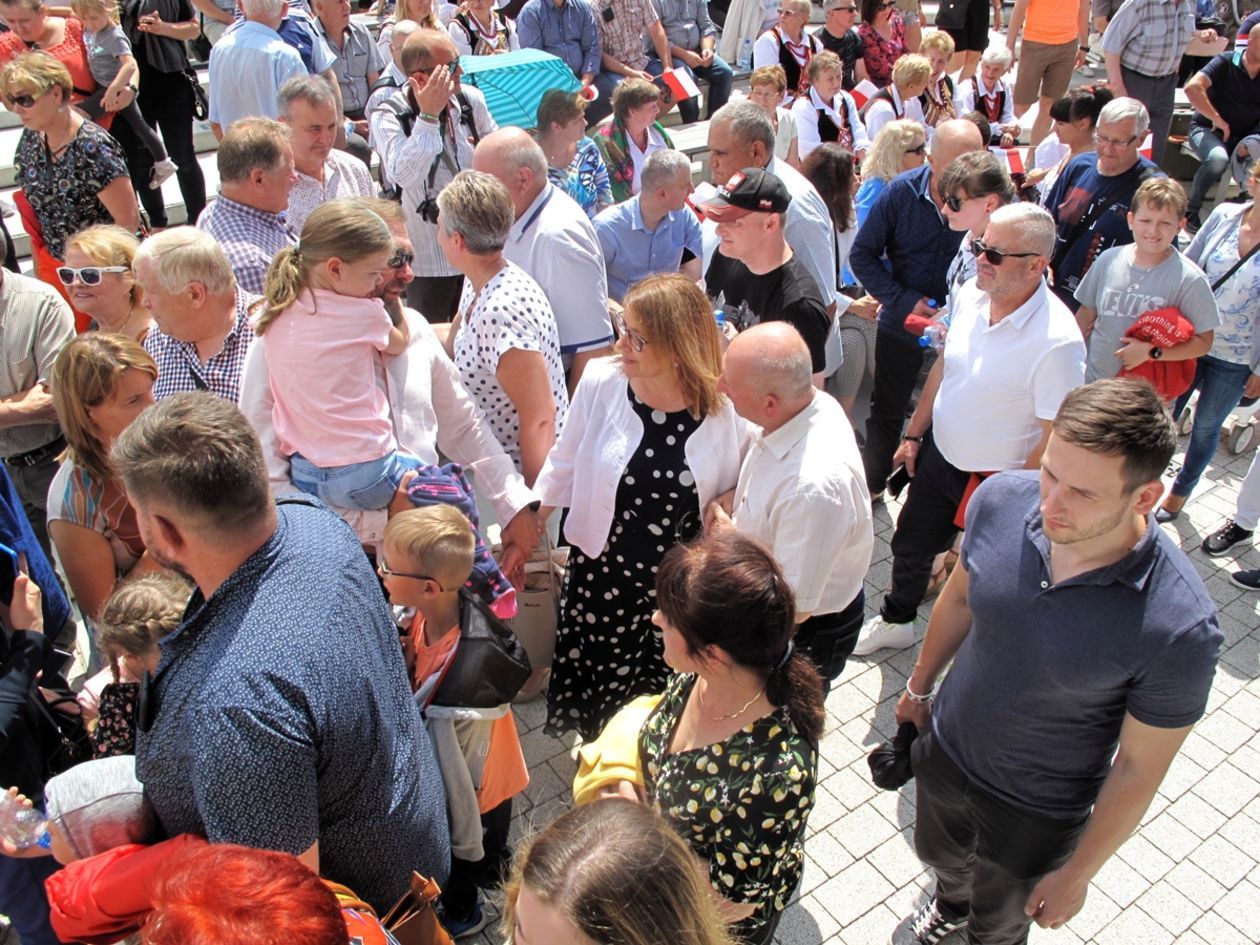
x: 802, y: 489
x: 554, y: 241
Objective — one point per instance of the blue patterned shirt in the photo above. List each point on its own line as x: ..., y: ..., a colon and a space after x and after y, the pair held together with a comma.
x: 180, y: 369
x: 568, y: 31
x: 585, y: 179
x: 250, y: 237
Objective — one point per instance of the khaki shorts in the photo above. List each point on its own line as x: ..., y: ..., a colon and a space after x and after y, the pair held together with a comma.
x: 1044, y: 67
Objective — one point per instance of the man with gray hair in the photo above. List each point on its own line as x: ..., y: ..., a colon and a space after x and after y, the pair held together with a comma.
x: 309, y: 109
x: 653, y: 231
x: 1012, y: 353
x: 552, y: 240
x: 203, y: 331
x: 801, y: 490
x: 393, y: 78
x: 248, y: 219
x: 248, y: 66
x: 1090, y: 200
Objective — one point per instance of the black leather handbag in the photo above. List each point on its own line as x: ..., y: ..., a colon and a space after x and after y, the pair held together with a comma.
x: 952, y: 14
x: 490, y: 664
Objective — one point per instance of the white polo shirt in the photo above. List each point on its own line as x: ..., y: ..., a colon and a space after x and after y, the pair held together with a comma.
x: 802, y: 492
x: 1000, y: 380
x: 555, y: 242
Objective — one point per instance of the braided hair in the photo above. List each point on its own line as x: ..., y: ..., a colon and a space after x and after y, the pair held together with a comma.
x: 139, y: 613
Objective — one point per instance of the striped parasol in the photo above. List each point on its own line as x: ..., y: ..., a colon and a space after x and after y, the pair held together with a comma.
x: 514, y: 83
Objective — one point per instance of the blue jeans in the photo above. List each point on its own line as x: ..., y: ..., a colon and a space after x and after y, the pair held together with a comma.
x: 1213, y: 162
x: 23, y: 900
x: 367, y: 485
x: 719, y: 76
x: 1220, y: 385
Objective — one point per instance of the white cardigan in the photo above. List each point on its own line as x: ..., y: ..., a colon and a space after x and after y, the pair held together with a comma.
x: 599, y: 438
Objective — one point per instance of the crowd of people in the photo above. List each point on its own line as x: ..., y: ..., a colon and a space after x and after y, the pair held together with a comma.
x: 263, y: 455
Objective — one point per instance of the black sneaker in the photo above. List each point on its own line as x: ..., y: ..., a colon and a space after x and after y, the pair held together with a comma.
x: 926, y: 927
x: 1218, y: 543
x: 1193, y: 223
x: 1250, y: 580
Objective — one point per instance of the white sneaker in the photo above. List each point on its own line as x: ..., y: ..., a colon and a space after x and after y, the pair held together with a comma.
x: 161, y: 171
x: 878, y: 634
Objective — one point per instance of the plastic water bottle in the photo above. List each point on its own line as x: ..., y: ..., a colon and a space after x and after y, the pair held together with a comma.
x: 934, y: 334
x: 20, y: 825
x: 720, y: 317
x: 745, y: 54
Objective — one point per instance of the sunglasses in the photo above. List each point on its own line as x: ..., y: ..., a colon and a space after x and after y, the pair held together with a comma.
x: 918, y: 149
x: 400, y: 259
x: 995, y: 257
x: 453, y: 67
x: 637, y: 341
x: 955, y: 203
x: 384, y: 571
x: 24, y: 101
x: 88, y: 275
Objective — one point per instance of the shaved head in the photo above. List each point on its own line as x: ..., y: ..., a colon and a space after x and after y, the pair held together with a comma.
x: 953, y: 139
x: 767, y: 373
x: 512, y: 155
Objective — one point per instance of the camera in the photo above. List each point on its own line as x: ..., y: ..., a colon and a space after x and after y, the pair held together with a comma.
x: 428, y: 210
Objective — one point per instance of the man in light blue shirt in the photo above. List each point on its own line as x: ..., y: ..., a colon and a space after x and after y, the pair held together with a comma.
x: 649, y: 233
x: 248, y: 66
x: 564, y: 28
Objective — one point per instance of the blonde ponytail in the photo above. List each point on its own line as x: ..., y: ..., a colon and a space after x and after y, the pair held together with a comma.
x: 285, y: 280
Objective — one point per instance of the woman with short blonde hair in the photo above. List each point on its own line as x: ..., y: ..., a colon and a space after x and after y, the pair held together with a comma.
x: 765, y: 88
x: 99, y: 278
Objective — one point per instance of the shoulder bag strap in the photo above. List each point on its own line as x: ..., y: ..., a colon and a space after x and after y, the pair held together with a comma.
x: 1084, y: 225
x: 1235, y: 267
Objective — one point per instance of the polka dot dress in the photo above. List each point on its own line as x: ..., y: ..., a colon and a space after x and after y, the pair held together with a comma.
x: 607, y: 650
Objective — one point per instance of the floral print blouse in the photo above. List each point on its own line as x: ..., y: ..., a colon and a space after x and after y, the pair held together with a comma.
x: 881, y: 54
x: 585, y: 179
x: 616, y: 151
x: 741, y: 803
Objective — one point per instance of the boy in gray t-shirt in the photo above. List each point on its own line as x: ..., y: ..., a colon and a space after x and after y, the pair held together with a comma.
x: 1127, y: 281
x: 114, y: 68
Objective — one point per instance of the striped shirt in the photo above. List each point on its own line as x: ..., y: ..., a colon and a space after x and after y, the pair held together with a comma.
x: 1150, y: 35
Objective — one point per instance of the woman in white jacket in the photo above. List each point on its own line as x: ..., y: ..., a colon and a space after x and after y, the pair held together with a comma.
x: 648, y: 443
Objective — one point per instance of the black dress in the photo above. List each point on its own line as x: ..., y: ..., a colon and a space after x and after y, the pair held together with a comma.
x: 607, y: 650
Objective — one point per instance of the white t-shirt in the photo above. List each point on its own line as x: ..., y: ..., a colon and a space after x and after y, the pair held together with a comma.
x: 654, y: 143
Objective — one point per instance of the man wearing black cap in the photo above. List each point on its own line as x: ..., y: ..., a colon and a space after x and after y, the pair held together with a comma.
x: 754, y: 273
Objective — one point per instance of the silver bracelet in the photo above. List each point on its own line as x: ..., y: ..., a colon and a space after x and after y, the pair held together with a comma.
x: 918, y: 699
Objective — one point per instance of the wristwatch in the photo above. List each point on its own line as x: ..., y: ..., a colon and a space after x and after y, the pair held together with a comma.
x: 1156, y: 353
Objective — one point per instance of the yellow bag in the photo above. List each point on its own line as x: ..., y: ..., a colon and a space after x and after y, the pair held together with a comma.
x: 614, y: 756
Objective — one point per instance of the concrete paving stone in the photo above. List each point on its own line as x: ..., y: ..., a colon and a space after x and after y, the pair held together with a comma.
x: 1244, y: 833
x: 1121, y: 882
x: 827, y: 850
x: 907, y: 900
x: 1145, y: 858
x: 896, y: 860
x: 862, y: 830
x: 1214, y: 929
x: 806, y: 922
x: 853, y: 892
x: 1060, y: 936
x: 852, y: 786
x: 1171, y: 836
x: 1227, y: 789
x: 1196, y: 885
x: 826, y: 811
x: 812, y: 875
x: 876, y: 926
x: 1097, y: 912
x: 1157, y: 806
x: 1233, y: 628
x: 1173, y: 911
x: 1244, y: 705
x: 1224, y: 731
x: 1134, y: 927
x: 1197, y: 815
x: 1205, y: 753
x: 1240, y: 907
x: 1223, y: 861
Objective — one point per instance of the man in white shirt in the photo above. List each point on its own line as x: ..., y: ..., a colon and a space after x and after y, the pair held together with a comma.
x: 1012, y: 354
x: 802, y: 488
x: 554, y: 241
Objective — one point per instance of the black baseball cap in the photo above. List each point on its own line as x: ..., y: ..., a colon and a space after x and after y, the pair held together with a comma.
x: 752, y: 190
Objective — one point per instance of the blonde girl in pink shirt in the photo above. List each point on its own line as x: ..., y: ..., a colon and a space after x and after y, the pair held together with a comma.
x: 322, y: 333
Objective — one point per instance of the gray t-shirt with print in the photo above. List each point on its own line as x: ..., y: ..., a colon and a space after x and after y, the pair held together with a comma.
x: 103, y: 49
x: 1120, y: 292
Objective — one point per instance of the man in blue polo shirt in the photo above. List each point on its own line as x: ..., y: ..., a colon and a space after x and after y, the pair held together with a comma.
x: 1226, y: 98
x: 564, y: 28
x: 1083, y: 645
x: 653, y: 230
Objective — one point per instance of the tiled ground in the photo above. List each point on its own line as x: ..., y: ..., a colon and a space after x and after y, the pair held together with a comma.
x: 1190, y: 874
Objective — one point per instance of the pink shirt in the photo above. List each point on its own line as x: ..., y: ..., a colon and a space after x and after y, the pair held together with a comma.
x: 320, y: 354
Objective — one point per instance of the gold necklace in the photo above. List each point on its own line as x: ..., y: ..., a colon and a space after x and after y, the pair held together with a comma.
x: 734, y: 715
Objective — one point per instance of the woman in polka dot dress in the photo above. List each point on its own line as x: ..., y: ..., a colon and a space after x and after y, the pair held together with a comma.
x: 647, y: 444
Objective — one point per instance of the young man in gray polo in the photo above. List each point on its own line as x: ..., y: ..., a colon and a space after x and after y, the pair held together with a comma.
x: 1083, y: 645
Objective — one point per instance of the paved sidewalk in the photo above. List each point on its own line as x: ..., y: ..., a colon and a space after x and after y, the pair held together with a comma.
x: 1190, y: 875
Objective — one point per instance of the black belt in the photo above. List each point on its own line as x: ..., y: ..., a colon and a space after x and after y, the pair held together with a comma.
x: 38, y: 455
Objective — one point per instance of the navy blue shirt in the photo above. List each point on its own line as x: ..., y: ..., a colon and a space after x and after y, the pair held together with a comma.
x: 15, y: 531
x: 905, y: 226
x: 284, y: 716
x: 1233, y: 93
x: 1033, y: 705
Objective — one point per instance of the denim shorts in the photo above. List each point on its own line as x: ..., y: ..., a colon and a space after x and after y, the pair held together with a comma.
x: 368, y: 485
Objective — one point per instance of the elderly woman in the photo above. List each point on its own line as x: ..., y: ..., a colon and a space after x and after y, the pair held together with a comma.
x: 766, y: 87
x: 938, y: 99
x: 100, y: 383
x: 503, y: 338
x: 827, y: 113
x: 883, y: 35
x: 98, y: 277
x: 478, y: 30
x: 900, y: 98
x: 71, y: 171
x: 574, y: 163
x: 900, y: 146
x: 648, y: 444
x: 788, y: 44
x: 632, y: 135
x: 730, y: 754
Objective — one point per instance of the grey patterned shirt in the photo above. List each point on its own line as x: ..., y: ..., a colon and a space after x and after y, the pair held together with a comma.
x: 1150, y: 35
x: 35, y: 324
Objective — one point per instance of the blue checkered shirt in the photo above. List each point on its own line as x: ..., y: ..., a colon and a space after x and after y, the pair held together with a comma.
x: 250, y: 237
x: 180, y: 370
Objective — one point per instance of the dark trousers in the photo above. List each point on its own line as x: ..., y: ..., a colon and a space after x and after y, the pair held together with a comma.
x: 1156, y: 93
x: 897, y: 367
x: 459, y: 898
x: 23, y: 900
x: 94, y: 107
x: 987, y: 854
x: 435, y: 297
x: 829, y: 639
x: 925, y: 528
x: 166, y: 101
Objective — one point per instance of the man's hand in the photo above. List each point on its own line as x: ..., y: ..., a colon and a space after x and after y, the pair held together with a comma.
x: 1207, y: 36
x: 432, y: 97
x: 866, y: 307
x: 25, y: 613
x: 402, y: 500
x: 706, y: 57
x: 692, y: 59
x: 1081, y: 58
x: 916, y: 712
x: 1221, y: 125
x: 907, y: 454
x: 1134, y: 352
x: 923, y: 308
x: 361, y: 127
x: 1056, y: 898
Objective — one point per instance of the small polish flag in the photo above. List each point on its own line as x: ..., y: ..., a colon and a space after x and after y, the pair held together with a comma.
x: 1240, y: 43
x: 863, y: 91
x: 1145, y: 148
x: 681, y: 84
x: 1013, y: 159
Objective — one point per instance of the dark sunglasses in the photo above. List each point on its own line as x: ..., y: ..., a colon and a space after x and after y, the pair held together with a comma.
x: 995, y: 257
x: 920, y: 149
x: 955, y: 202
x: 88, y: 275
x: 888, y: 6
x: 24, y: 101
x: 400, y: 259
x: 384, y: 570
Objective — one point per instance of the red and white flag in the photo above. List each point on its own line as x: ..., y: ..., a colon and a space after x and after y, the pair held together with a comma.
x: 1145, y: 148
x: 681, y: 84
x: 1240, y: 43
x: 863, y: 91
x: 1011, y: 157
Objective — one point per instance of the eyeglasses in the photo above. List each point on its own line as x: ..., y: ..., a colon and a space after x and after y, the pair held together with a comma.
x: 383, y: 569
x: 24, y: 101
x: 400, y: 259
x: 955, y: 203
x: 453, y: 65
x: 995, y: 257
x: 1102, y: 141
x: 918, y: 149
x: 88, y: 275
x: 637, y: 341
